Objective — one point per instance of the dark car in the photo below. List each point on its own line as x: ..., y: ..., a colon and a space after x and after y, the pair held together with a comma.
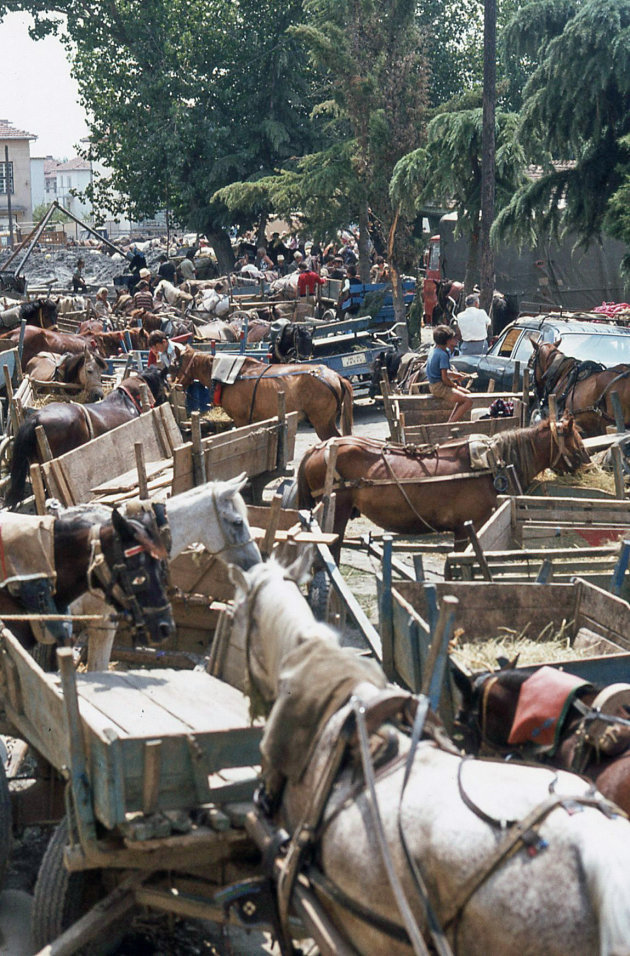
x: 599, y: 342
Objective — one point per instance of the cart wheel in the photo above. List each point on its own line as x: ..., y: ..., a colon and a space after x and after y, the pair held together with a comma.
x: 61, y: 898
x: 5, y: 822
x: 318, y: 594
x: 6, y: 451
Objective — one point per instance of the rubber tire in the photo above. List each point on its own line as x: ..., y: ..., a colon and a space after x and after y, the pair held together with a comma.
x: 318, y: 595
x: 6, y: 824
x: 290, y: 495
x: 61, y: 898
x: 46, y: 656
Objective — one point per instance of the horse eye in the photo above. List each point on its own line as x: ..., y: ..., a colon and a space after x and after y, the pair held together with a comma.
x: 238, y: 522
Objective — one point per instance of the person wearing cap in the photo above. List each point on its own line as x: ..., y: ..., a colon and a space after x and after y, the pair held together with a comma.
x: 336, y: 269
x: 281, y: 266
x: 277, y: 248
x: 143, y: 299
x: 103, y: 309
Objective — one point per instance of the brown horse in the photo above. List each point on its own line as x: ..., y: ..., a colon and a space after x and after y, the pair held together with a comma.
x: 111, y: 343
x: 314, y: 390
x: 415, y: 490
x: 68, y: 425
x: 489, y: 703
x: 133, y: 576
x: 83, y: 371
x: 45, y: 340
x: 582, y: 388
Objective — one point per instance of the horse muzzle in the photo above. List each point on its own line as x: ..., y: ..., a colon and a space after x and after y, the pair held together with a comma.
x: 157, y: 626
x: 95, y: 395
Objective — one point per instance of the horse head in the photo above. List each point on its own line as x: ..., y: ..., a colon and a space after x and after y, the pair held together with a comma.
x: 266, y: 597
x: 85, y: 369
x: 571, y: 451
x: 41, y: 312
x: 183, y: 367
x: 216, y: 515
x: 137, y: 579
x: 155, y: 379
x: 542, y: 359
x: 295, y: 342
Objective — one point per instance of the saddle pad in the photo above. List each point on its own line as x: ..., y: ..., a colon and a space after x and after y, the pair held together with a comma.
x: 226, y: 368
x: 27, y: 548
x: 479, y: 448
x: 543, y: 702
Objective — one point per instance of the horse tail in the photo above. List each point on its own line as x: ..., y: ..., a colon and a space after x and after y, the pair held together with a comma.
x: 305, y: 498
x: 605, y: 863
x: 24, y: 451
x: 346, y: 407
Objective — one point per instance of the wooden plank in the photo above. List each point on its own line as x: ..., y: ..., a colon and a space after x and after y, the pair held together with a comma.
x: 496, y: 533
x: 196, y: 699
x: 441, y: 432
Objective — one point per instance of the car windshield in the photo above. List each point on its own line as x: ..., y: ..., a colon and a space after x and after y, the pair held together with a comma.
x: 607, y: 349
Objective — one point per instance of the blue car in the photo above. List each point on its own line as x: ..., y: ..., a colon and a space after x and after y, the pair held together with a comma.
x: 597, y: 341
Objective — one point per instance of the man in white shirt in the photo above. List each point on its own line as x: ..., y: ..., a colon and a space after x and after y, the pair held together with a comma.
x: 474, y: 327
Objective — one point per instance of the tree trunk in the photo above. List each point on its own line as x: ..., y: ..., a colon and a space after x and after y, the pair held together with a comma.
x: 220, y: 242
x: 396, y: 281
x: 472, y: 262
x: 488, y: 152
x: 364, y: 244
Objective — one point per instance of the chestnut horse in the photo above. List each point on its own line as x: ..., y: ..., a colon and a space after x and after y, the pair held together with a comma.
x: 582, y: 388
x: 132, y: 575
x: 411, y: 490
x: 320, y: 394
x: 489, y: 702
x: 68, y: 425
x: 83, y: 370
x: 45, y: 340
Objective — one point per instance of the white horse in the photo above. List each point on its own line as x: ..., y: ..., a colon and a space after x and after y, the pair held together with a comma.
x: 167, y: 292
x: 564, y: 889
x: 214, y: 515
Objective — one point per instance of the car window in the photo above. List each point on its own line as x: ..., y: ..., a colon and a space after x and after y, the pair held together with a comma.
x: 524, y: 348
x: 607, y: 349
x: 505, y: 345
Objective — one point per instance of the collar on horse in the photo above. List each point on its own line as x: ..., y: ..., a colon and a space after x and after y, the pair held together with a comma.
x: 134, y: 401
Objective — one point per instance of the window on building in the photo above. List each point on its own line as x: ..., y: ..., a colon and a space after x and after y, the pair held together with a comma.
x: 3, y: 177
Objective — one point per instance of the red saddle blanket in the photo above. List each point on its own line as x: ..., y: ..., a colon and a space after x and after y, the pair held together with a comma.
x: 543, y: 702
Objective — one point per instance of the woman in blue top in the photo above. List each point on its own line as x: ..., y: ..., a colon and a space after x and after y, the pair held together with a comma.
x: 444, y: 380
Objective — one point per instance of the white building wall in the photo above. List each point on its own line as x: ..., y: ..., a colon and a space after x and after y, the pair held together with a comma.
x: 38, y: 182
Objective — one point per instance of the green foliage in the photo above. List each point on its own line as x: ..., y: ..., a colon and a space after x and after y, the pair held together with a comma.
x: 576, y: 106
x: 184, y: 99
x: 40, y: 211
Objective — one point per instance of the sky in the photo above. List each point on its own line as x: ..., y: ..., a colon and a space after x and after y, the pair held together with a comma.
x: 37, y: 93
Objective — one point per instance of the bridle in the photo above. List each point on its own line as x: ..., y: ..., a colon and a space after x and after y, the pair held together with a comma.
x: 125, y: 580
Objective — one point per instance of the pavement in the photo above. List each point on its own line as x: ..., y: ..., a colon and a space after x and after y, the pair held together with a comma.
x: 15, y: 921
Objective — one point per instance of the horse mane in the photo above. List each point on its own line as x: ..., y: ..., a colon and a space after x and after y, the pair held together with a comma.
x: 514, y: 447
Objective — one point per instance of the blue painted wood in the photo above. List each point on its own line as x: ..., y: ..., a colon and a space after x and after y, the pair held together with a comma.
x: 616, y: 582
x: 386, y: 607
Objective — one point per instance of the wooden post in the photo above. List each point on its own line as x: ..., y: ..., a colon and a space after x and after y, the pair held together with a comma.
x: 198, y: 458
x: 617, y: 411
x: 387, y: 608
x: 143, y: 488
x: 481, y: 558
x: 274, y: 519
x: 42, y: 444
x: 39, y: 492
x: 553, y: 408
x: 433, y: 677
x: 151, y: 778
x: 78, y: 764
x: 329, y: 481
x: 617, y: 460
x: 283, y: 433
x: 145, y: 404
x: 8, y: 385
x: 516, y: 378
x: 525, y: 407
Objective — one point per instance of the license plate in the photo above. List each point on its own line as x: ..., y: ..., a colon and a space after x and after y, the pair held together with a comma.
x: 357, y: 358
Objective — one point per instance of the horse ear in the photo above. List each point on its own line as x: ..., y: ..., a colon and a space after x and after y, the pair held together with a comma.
x: 238, y: 578
x: 121, y: 525
x: 534, y: 340
x: 300, y: 570
x: 237, y: 483
x: 556, y: 344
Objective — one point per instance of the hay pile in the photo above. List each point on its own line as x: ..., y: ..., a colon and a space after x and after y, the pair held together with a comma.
x: 552, y: 644
x: 590, y: 476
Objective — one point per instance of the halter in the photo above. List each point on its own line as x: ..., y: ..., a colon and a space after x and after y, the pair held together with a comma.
x: 136, y: 404
x: 124, y: 582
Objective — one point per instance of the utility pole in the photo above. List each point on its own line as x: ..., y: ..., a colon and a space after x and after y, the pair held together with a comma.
x: 7, y: 180
x: 488, y: 150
